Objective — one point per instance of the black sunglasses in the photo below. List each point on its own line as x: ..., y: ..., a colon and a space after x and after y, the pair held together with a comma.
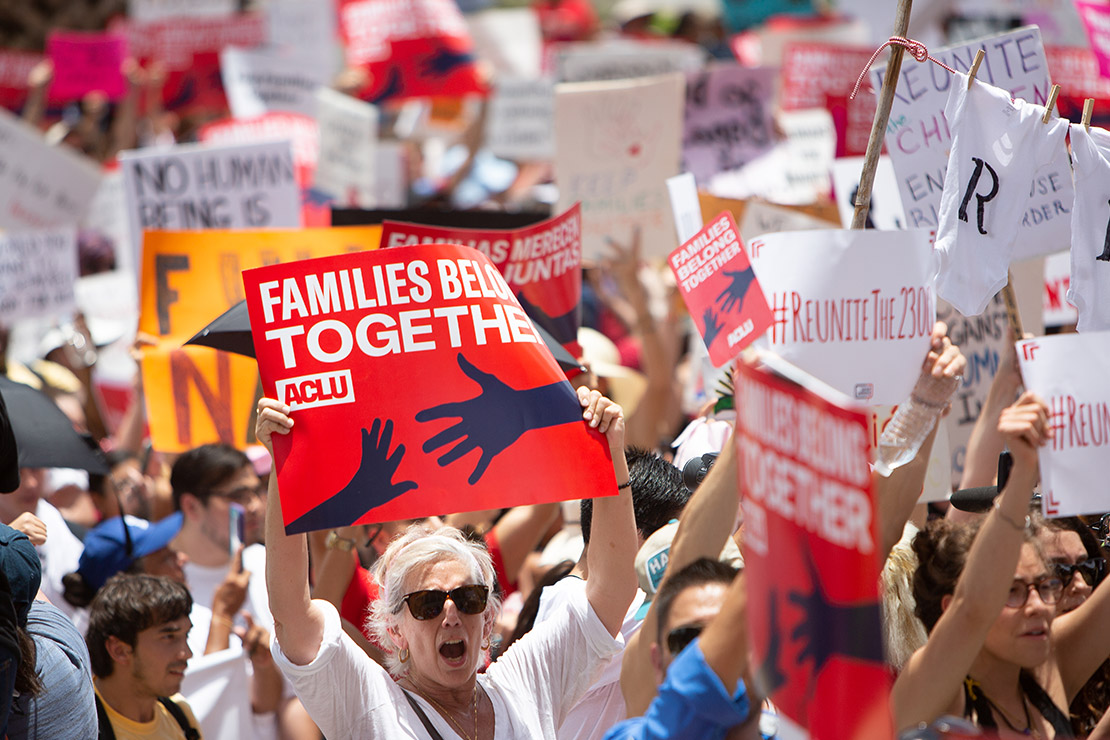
x: 429, y: 604
x: 680, y: 637
x: 1093, y: 571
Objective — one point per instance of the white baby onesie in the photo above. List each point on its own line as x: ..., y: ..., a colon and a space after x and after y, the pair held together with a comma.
x: 1089, y: 290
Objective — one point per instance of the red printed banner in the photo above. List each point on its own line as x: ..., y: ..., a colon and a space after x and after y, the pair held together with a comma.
x: 418, y: 387
x: 1076, y: 71
x: 539, y: 262
x: 410, y: 48
x: 810, y: 557
x: 300, y: 130
x: 1096, y: 19
x: 86, y: 62
x: 720, y: 289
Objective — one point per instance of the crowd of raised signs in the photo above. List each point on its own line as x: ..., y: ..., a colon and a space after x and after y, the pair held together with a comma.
x: 653, y: 199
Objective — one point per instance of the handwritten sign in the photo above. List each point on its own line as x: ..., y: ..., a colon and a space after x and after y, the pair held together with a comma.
x: 310, y: 30
x: 810, y: 530
x: 86, y: 62
x: 615, y: 145
x: 624, y: 59
x: 37, y: 273
x: 1057, y: 278
x: 853, y: 308
x: 1068, y: 372
x: 348, y: 139
x: 885, y: 211
x: 728, y: 118
x: 518, y: 122
x: 145, y: 11
x: 107, y: 219
x: 478, y: 397
x: 509, y: 39
x: 1096, y: 20
x: 259, y: 81
x: 40, y: 185
x: 302, y: 131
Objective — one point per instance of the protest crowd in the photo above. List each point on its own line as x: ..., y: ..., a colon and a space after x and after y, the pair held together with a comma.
x: 563, y: 369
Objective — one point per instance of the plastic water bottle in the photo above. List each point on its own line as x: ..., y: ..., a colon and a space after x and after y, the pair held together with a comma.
x: 912, y: 422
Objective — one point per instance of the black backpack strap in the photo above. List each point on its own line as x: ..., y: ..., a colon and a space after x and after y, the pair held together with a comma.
x: 432, y: 731
x: 1040, y: 699
x: 179, y: 716
x: 104, y: 725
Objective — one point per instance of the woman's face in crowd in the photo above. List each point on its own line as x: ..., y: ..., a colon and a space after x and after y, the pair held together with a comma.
x: 1065, y: 546
x: 131, y: 488
x: 445, y: 650
x: 1021, y: 634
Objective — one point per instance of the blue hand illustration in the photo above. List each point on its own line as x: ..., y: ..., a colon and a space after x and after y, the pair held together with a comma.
x: 769, y: 676
x: 371, y: 486
x: 497, y: 417
x: 563, y: 327
x: 392, y: 86
x: 713, y: 326
x: 444, y: 61
x: 734, y: 293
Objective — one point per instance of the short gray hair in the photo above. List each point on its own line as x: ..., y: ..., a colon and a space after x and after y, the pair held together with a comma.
x: 421, y: 546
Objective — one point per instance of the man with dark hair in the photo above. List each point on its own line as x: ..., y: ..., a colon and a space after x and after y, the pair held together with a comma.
x: 138, y: 625
x: 658, y: 493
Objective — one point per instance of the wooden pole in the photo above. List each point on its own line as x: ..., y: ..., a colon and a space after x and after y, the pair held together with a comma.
x: 882, y: 116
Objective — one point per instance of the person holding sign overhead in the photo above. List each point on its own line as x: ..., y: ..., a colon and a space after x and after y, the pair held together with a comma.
x: 434, y: 619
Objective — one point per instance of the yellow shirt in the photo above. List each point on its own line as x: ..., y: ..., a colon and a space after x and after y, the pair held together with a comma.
x: 162, y: 727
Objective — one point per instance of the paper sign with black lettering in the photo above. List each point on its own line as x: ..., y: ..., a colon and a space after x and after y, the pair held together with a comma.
x: 244, y: 186
x: 616, y: 143
x: 155, y: 10
x: 810, y: 534
x: 86, y: 62
x: 918, y: 137
x: 417, y: 384
x: 509, y: 39
x: 259, y: 81
x: 885, y: 208
x: 40, y: 185
x: 519, y: 120
x: 310, y: 29
x: 409, y: 48
x: 1068, y: 371
x: 624, y: 59
x: 853, y: 308
x: 37, y: 272
x: 302, y: 131
x: 728, y: 118
x: 720, y: 289
x: 540, y: 263
x: 348, y: 128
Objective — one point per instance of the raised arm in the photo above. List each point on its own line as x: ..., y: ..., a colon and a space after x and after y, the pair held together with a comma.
x: 930, y: 684
x: 611, y: 557
x: 985, y: 442
x: 298, y: 625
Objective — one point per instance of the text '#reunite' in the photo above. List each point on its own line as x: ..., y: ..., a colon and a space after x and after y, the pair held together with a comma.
x: 386, y: 331
x: 873, y: 317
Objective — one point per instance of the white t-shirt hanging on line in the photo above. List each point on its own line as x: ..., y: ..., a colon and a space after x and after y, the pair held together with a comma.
x: 1089, y: 288
x: 1002, y: 143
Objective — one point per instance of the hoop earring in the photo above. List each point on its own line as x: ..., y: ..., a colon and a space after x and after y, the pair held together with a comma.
x: 403, y: 656
x: 485, y: 645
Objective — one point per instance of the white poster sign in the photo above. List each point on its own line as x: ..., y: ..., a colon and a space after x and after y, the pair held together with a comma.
x: 616, y: 143
x: 763, y: 218
x: 391, y: 182
x: 146, y: 11
x: 37, y: 273
x: 1068, y: 371
x: 308, y: 28
x: 728, y: 118
x: 40, y: 185
x: 854, y: 308
x: 518, y: 122
x: 886, y: 205
x: 624, y: 59
x: 1057, y: 278
x: 258, y: 81
x: 107, y: 221
x: 685, y: 207
x: 345, y: 169
x: 509, y: 39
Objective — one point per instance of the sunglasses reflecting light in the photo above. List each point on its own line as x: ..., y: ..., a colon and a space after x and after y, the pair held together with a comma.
x: 429, y: 604
x: 1093, y: 571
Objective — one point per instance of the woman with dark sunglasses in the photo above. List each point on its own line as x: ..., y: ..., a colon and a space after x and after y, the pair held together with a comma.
x: 434, y: 620
x: 997, y: 653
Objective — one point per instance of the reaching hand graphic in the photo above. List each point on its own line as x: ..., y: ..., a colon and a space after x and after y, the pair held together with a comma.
x: 733, y: 294
x: 713, y: 326
x: 496, y: 418
x: 392, y: 87
x: 770, y: 676
x: 371, y: 486
x: 444, y: 61
x: 563, y: 327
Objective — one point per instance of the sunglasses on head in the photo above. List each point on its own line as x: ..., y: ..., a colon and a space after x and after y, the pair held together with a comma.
x: 429, y: 604
x: 680, y: 637
x: 1093, y: 571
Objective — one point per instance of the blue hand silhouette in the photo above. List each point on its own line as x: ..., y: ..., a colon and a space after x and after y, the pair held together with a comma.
x: 734, y: 293
x: 713, y: 326
x: 444, y: 61
x: 392, y: 86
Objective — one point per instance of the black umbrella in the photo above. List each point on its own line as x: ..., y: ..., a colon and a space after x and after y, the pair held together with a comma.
x: 231, y: 332
x: 44, y: 435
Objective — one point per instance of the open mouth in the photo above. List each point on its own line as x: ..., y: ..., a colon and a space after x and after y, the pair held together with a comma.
x: 1039, y: 632
x: 453, y: 651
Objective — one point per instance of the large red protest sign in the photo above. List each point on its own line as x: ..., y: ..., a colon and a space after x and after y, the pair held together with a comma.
x: 86, y: 62
x: 1096, y: 21
x: 539, y: 262
x: 409, y: 48
x: 720, y: 289
x: 418, y: 386
x: 811, y: 558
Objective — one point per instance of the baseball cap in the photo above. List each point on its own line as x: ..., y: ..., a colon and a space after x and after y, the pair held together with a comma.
x: 651, y: 561
x: 20, y: 563
x: 114, y: 545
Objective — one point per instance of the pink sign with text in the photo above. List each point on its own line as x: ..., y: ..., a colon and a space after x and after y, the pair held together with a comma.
x: 1096, y: 19
x: 86, y: 62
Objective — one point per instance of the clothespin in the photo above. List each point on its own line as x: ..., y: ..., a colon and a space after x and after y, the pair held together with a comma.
x: 1051, y: 102
x: 1088, y: 109
x: 975, y: 67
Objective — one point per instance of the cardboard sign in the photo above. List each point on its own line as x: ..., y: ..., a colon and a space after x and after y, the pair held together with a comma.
x: 195, y: 394
x: 146, y: 11
x: 720, y: 288
x: 107, y: 221
x: 519, y: 119
x: 1096, y: 20
x: 1068, y: 371
x: 509, y: 39
x: 302, y: 131
x: 476, y: 398
x: 348, y: 139
x: 86, y: 62
x: 853, y: 308
x: 391, y: 179
x: 260, y: 81
x: 310, y: 30
x: 728, y: 118
x: 37, y: 273
x: 685, y: 207
x: 40, y: 185
x: 625, y: 59
x: 810, y: 530
x: 615, y: 145
x: 230, y: 187
x: 918, y: 137
x: 540, y: 263
x: 885, y: 211
x: 763, y: 218
x: 410, y: 48
x: 1057, y: 278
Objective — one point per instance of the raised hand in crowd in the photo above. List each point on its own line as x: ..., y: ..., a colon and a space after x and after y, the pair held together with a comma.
x: 226, y: 603
x: 266, y: 685
x: 32, y: 526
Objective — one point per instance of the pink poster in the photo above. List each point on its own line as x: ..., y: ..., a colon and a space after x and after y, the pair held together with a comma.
x: 86, y: 62
x: 1096, y: 19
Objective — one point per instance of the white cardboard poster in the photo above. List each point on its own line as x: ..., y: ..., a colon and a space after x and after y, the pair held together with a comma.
x: 391, y: 183
x: 107, y: 219
x: 37, y: 272
x: 41, y: 185
x: 309, y: 28
x: 1068, y: 371
x: 348, y: 139
x: 616, y: 143
x: 623, y: 59
x: 518, y: 122
x: 886, y: 203
x: 854, y: 308
x: 729, y: 118
x: 260, y: 81
x: 509, y: 39
x: 764, y: 218
x: 145, y: 11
